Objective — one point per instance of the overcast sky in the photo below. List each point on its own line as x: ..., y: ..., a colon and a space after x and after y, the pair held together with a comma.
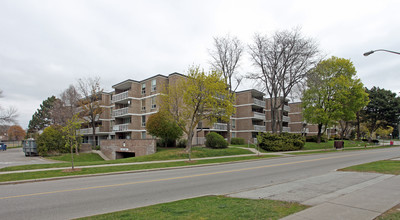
x: 47, y: 45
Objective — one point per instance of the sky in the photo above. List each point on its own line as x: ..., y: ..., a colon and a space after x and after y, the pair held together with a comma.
x: 46, y: 45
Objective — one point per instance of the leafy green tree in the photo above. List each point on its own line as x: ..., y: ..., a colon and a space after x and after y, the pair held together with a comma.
x: 42, y: 117
x: 160, y: 125
x: 51, y: 141
x: 333, y: 94
x: 200, y: 96
x: 71, y: 137
x: 382, y: 111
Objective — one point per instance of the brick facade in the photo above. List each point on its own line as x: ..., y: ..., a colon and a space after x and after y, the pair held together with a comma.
x: 115, y: 149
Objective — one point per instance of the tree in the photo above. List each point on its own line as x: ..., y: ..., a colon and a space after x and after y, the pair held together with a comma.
x: 283, y: 60
x: 42, y: 118
x: 65, y: 107
x: 51, y: 141
x: 226, y: 55
x: 198, y: 97
x: 333, y: 93
x: 16, y: 133
x: 90, y: 103
x: 382, y: 111
x: 71, y: 137
x: 160, y: 125
x: 7, y: 115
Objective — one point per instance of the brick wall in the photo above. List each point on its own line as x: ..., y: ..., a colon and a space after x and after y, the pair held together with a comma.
x: 140, y: 147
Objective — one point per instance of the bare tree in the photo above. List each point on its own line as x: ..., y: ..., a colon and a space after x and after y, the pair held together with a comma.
x: 226, y: 55
x: 9, y: 115
x: 90, y: 103
x: 284, y: 60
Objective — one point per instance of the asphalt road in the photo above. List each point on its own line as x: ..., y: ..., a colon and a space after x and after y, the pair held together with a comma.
x: 15, y: 156
x: 72, y: 198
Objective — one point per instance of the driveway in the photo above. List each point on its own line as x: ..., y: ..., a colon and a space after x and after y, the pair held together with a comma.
x: 15, y: 156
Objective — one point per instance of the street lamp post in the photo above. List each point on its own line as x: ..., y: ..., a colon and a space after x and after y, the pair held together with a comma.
x: 373, y: 51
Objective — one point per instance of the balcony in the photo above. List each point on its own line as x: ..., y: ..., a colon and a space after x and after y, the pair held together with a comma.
x: 259, y: 128
x: 84, y: 131
x: 121, y: 127
x: 258, y: 102
x: 220, y: 126
x: 286, y: 108
x: 120, y: 112
x: 120, y: 96
x: 286, y: 129
x: 258, y: 115
x: 286, y: 119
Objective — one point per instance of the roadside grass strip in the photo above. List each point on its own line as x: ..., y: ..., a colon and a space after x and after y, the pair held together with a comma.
x: 209, y: 207
x: 383, y: 166
x: 110, y: 169
x: 161, y: 154
x: 391, y: 214
x: 334, y: 150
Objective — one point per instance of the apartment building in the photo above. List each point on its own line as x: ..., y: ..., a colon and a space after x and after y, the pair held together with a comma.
x: 134, y: 101
x: 103, y: 128
x: 285, y: 115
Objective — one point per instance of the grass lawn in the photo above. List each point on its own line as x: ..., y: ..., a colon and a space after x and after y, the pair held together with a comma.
x: 82, y: 157
x: 110, y: 169
x: 329, y: 145
x: 334, y: 150
x: 162, y: 154
x: 383, y: 166
x: 210, y: 207
x: 250, y: 146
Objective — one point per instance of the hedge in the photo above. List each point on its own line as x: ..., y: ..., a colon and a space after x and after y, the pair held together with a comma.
x: 281, y: 142
x: 237, y: 141
x: 214, y: 140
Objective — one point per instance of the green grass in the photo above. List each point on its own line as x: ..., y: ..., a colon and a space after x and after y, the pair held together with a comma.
x: 19, y: 146
x: 329, y: 145
x: 383, y: 166
x: 162, y: 154
x: 250, y: 146
x: 209, y: 207
x: 392, y: 214
x: 83, y: 157
x: 110, y: 169
x: 334, y: 150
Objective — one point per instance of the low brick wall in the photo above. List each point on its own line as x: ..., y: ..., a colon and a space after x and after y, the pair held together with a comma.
x: 113, y: 149
x: 85, y: 148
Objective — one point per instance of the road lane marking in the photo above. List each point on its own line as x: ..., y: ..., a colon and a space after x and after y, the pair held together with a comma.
x: 181, y: 177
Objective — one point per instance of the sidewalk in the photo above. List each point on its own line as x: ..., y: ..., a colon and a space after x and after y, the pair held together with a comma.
x: 335, y: 195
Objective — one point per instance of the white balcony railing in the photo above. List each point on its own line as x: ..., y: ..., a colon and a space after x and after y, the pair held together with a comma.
x: 260, y: 128
x: 286, y: 129
x: 259, y: 115
x: 121, y: 127
x: 88, y: 130
x: 120, y: 112
x: 220, y: 126
x: 120, y: 96
x: 286, y: 119
x: 286, y: 108
x: 260, y: 103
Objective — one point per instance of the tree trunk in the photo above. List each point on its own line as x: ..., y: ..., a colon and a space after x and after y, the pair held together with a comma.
x: 228, y: 133
x: 189, y: 144
x: 72, y: 154
x: 319, y: 133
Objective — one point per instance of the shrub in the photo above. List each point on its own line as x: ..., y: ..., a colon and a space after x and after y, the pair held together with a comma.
x: 237, y: 141
x: 51, y: 141
x: 375, y: 141
x: 281, y: 142
x: 214, y: 140
x: 364, y: 139
x: 181, y: 143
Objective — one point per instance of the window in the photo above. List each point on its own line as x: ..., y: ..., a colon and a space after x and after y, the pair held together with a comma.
x: 143, y: 120
x: 153, y: 85
x: 153, y: 102
x: 233, y: 125
x: 143, y: 135
x: 143, y: 105
x: 233, y: 134
x: 144, y: 88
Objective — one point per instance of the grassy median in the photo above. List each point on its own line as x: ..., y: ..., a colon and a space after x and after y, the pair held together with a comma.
x: 383, y: 166
x: 209, y: 207
x: 111, y: 169
x: 161, y: 154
